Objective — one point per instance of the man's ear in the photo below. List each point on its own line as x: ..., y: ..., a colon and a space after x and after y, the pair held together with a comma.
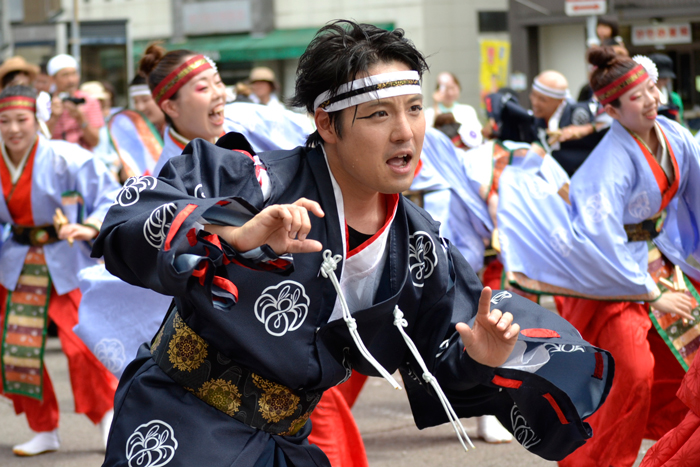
x: 325, y: 127
x: 612, y: 111
x: 170, y: 108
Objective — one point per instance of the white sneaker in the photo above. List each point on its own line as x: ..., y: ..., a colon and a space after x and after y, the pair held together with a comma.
x: 46, y: 441
x: 490, y: 430
x: 105, y: 425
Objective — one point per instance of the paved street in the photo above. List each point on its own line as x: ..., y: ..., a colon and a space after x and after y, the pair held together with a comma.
x: 382, y: 413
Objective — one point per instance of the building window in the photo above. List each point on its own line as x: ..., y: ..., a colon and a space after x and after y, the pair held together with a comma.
x: 493, y: 21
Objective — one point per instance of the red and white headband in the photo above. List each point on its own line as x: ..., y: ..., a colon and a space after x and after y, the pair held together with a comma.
x: 370, y: 88
x: 18, y: 102
x: 181, y: 76
x: 645, y: 69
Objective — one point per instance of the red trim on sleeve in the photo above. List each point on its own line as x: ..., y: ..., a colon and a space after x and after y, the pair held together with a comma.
x: 223, y: 202
x: 201, y: 272
x: 667, y: 191
x: 227, y: 285
x: 556, y: 408
x: 599, y: 366
x: 506, y: 382
x: 214, y: 240
x: 539, y: 332
x: 177, y: 223
x: 192, y: 236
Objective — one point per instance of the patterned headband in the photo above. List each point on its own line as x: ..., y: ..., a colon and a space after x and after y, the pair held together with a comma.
x: 180, y: 76
x: 621, y: 85
x: 371, y: 88
x: 18, y: 102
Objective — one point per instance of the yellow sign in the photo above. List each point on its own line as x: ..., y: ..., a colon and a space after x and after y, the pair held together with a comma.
x: 493, y: 72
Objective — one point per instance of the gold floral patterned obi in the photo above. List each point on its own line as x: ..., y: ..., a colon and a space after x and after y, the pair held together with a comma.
x: 225, y: 385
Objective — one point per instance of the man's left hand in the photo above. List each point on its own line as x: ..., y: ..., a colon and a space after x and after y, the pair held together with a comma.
x: 491, y: 340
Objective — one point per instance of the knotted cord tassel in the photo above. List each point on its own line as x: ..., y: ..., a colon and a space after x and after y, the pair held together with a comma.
x: 330, y: 264
x: 401, y: 323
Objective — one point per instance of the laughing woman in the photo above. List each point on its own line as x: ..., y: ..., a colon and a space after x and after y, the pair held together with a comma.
x: 188, y: 89
x: 630, y: 216
x: 39, y: 264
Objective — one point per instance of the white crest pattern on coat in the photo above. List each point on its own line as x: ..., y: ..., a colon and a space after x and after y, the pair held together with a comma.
x: 152, y: 444
x: 422, y: 257
x: 198, y: 188
x: 155, y: 229
x: 639, y: 206
x: 560, y: 241
x: 521, y: 430
x: 565, y: 348
x: 282, y: 308
x: 500, y: 296
x: 597, y: 208
x: 130, y: 192
x: 111, y: 353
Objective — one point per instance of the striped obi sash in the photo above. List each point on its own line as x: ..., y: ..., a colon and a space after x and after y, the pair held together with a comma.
x: 26, y: 320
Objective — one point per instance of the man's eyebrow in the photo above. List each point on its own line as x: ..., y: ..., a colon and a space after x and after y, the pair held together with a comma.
x: 385, y: 101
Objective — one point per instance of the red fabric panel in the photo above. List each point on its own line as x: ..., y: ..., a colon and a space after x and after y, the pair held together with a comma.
x: 227, y: 285
x: 506, y: 382
x: 623, y: 328
x: 492, y: 274
x: 177, y: 223
x: 539, y: 332
x: 19, y: 196
x: 557, y: 409
x: 335, y: 431
x: 352, y: 387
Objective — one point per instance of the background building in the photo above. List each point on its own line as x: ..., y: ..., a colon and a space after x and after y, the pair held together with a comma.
x: 544, y: 37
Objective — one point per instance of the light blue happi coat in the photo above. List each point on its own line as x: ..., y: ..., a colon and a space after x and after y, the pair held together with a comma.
x: 581, y: 248
x: 265, y: 128
x: 60, y: 168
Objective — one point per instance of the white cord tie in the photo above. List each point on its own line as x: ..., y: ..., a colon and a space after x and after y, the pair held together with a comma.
x: 330, y: 264
x: 428, y: 377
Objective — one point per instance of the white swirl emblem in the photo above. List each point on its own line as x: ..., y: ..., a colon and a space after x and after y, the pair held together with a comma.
x: 560, y: 242
x: 152, y: 444
x: 422, y: 257
x: 521, y: 430
x: 640, y: 207
x: 564, y: 348
x: 111, y: 353
x: 597, y: 208
x: 282, y: 308
x: 155, y: 229
x: 500, y: 296
x: 131, y: 192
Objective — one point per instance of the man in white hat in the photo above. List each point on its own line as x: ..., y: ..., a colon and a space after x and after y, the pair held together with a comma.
x: 75, y: 116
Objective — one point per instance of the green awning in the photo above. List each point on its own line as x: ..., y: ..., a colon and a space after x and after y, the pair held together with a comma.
x: 279, y: 44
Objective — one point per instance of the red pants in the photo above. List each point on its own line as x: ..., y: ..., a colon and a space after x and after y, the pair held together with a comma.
x: 334, y: 428
x: 93, y: 385
x: 642, y: 401
x: 492, y: 274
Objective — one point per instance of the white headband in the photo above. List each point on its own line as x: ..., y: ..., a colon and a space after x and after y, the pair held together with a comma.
x: 548, y: 91
x: 139, y: 90
x: 371, y: 88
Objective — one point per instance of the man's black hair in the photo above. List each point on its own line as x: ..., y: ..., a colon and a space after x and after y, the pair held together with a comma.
x: 341, y: 52
x: 18, y: 91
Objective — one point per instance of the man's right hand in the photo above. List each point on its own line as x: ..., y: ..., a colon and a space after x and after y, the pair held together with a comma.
x: 56, y: 107
x: 283, y: 227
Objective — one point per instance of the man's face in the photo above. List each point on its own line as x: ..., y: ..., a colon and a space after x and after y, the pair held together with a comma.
x: 543, y: 106
x: 67, y: 80
x: 42, y: 82
x: 381, y: 143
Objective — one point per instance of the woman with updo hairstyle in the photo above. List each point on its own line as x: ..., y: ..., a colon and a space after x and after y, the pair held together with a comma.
x: 188, y: 89
x: 54, y: 197
x: 620, y: 242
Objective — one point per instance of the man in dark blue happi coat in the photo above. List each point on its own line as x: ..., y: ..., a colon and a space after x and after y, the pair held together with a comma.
x: 289, y: 269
